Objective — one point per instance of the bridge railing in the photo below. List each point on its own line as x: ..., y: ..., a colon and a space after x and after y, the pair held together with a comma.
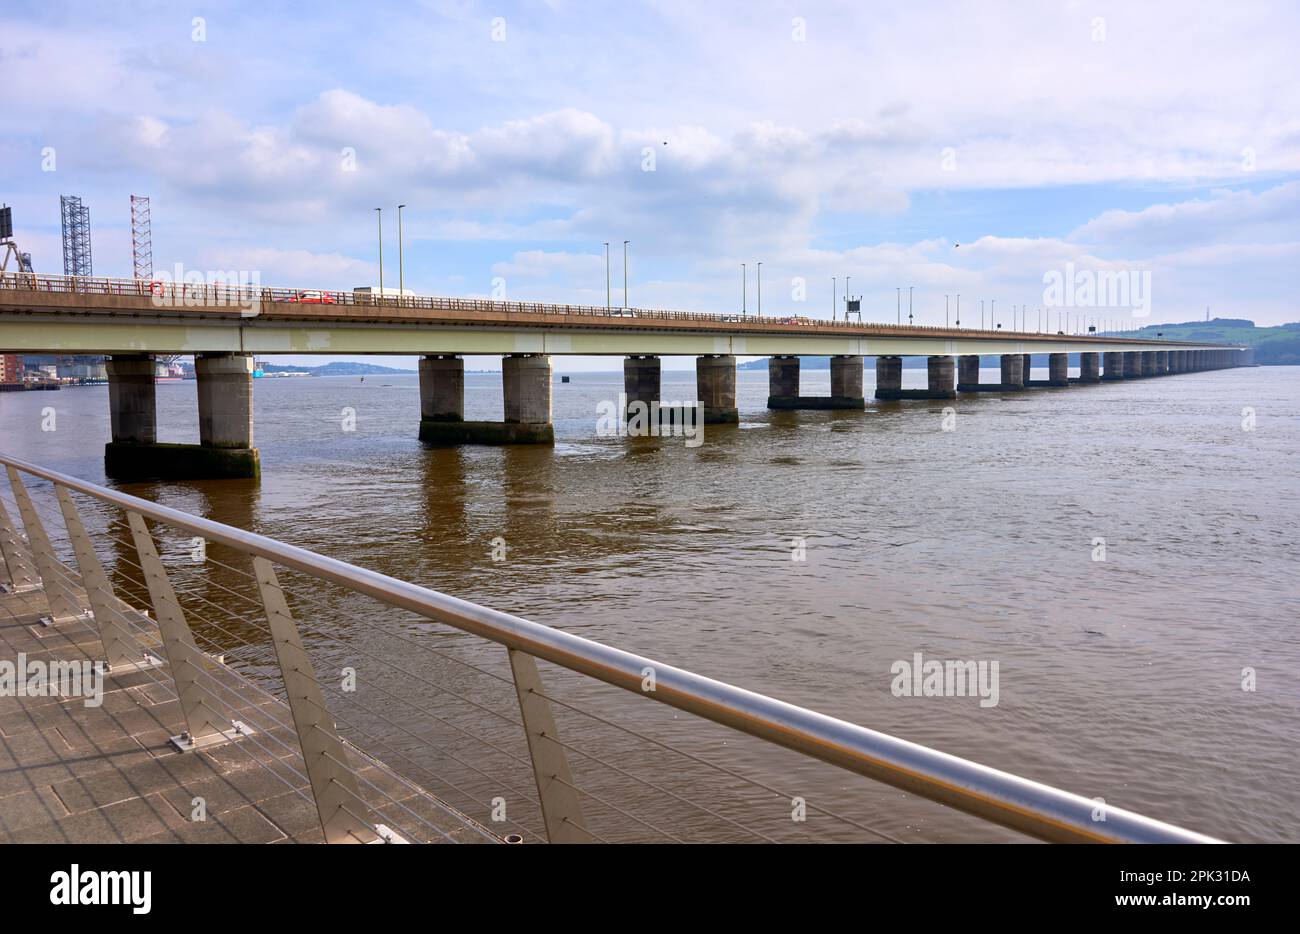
x: 171, y: 295
x: 276, y: 594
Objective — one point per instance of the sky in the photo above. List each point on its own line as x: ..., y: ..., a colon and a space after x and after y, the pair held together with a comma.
x: 946, y: 148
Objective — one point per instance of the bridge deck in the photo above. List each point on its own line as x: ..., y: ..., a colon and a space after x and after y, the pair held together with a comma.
x: 70, y: 773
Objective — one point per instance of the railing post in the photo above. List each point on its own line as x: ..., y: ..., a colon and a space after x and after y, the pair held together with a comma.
x: 120, y: 652
x: 344, y: 815
x: 203, y: 725
x: 17, y: 559
x: 59, y: 595
x: 561, y: 805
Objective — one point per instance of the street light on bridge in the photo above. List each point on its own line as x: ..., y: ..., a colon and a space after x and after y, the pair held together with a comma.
x: 379, y: 219
x: 401, y: 278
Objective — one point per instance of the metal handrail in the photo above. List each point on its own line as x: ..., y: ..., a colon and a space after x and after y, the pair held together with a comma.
x: 1027, y: 806
x: 220, y: 294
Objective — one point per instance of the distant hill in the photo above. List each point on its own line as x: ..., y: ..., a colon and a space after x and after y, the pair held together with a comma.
x: 337, y: 368
x: 1274, y: 346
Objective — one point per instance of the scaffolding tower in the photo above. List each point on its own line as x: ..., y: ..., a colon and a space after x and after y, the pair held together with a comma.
x: 76, y: 236
x: 141, y: 238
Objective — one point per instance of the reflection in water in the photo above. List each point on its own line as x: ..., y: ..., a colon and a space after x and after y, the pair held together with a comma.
x: 1119, y: 678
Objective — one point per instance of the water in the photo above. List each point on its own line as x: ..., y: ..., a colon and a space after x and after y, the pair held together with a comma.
x: 1119, y: 679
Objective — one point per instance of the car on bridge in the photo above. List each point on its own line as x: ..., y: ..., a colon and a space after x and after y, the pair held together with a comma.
x: 312, y: 297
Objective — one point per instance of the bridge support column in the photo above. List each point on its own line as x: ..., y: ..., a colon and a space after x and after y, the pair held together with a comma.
x: 1027, y: 368
x: 715, y: 388
x: 889, y: 377
x: 641, y: 379
x: 1089, y: 367
x: 1149, y: 363
x: 526, y: 385
x: 783, y: 385
x: 1013, y: 371
x: 1058, y: 369
x: 941, y: 375
x: 782, y: 382
x: 846, y: 380
x: 442, y: 393
x: 968, y: 373
x: 1132, y: 364
x: 225, y: 448
x: 1114, y: 365
x: 131, y: 405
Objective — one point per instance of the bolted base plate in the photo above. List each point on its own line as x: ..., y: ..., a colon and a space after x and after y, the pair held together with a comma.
x: 61, y: 620
x: 187, y: 743
x: 143, y: 663
x: 388, y: 835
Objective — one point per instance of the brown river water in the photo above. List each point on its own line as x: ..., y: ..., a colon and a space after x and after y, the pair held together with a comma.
x: 1120, y: 679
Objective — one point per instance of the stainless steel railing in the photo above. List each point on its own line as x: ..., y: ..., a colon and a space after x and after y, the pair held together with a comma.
x: 1030, y: 807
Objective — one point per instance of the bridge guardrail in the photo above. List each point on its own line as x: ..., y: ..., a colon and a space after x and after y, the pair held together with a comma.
x: 1029, y: 807
x: 171, y: 294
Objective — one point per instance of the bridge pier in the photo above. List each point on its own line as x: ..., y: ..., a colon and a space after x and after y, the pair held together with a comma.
x: 641, y: 381
x: 526, y: 385
x: 940, y: 372
x: 1089, y: 368
x: 1013, y: 372
x: 968, y: 373
x: 131, y: 404
x: 1148, y: 363
x: 1132, y: 364
x: 715, y: 387
x: 1114, y: 365
x: 1058, y: 369
x: 225, y: 397
x: 889, y: 377
x: 442, y: 390
x: 846, y: 380
x: 783, y: 385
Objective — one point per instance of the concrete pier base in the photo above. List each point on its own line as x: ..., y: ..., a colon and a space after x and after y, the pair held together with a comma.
x: 1133, y: 365
x: 225, y: 449
x: 526, y: 385
x: 968, y: 373
x: 1114, y: 366
x: 136, y: 462
x: 1089, y: 368
x: 442, y: 434
x: 1148, y: 363
x: 783, y: 385
x: 715, y: 388
x: 1013, y: 372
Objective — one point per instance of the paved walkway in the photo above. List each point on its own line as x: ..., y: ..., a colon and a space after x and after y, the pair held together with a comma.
x: 70, y: 773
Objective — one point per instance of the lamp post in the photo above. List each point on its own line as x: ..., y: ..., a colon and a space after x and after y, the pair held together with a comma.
x: 744, y: 287
x: 909, y: 306
x: 945, y: 309
x: 379, y: 219
x: 625, y: 243
x: 835, y: 295
x: 760, y: 290
x: 958, y: 309
x: 898, y: 310
x: 607, y: 303
x: 401, y: 273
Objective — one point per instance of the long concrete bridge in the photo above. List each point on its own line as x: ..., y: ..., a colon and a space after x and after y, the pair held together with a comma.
x: 226, y: 327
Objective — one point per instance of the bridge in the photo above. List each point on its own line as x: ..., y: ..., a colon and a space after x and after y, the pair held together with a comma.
x: 215, y: 712
x: 226, y: 326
